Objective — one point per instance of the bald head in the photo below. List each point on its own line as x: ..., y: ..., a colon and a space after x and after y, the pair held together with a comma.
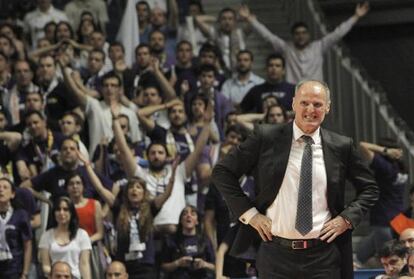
x: 60, y: 270
x: 116, y: 270
x: 322, y: 84
x: 407, y: 236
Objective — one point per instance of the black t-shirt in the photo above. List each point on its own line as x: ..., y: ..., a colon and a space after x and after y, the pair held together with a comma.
x: 283, y: 91
x: 58, y: 101
x: 53, y: 181
x: 50, y: 147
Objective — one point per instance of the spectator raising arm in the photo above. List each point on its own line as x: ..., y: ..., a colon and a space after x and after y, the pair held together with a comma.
x: 369, y: 149
x: 278, y: 43
x: 77, y: 93
x: 129, y: 163
x: 144, y: 114
x: 167, y: 89
x: 104, y: 193
x: 162, y: 198
x: 247, y: 120
x: 192, y: 159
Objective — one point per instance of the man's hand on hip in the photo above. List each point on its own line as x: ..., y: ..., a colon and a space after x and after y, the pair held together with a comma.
x: 333, y: 228
x: 263, y: 226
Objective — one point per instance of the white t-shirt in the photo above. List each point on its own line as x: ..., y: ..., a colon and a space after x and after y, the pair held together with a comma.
x: 100, y: 122
x: 170, y: 211
x: 69, y: 253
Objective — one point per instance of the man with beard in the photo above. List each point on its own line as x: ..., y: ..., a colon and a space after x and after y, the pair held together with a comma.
x: 177, y: 138
x: 53, y: 180
x: 237, y: 87
x: 159, y: 172
x: 157, y: 44
x: 273, y: 86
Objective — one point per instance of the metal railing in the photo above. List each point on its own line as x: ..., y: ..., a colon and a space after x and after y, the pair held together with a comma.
x: 359, y: 106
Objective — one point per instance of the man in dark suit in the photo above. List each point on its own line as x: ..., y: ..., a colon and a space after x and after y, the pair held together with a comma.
x: 299, y: 213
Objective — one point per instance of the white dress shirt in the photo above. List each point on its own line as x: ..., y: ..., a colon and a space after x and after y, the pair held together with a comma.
x: 282, y: 211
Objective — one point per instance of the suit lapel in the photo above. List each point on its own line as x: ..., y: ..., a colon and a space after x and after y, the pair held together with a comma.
x: 331, y: 165
x: 282, y: 142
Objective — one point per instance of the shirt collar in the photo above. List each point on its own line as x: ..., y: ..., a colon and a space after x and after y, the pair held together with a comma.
x: 297, y: 133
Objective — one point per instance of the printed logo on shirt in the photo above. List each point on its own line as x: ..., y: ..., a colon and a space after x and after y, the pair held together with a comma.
x: 277, y: 94
x: 61, y: 182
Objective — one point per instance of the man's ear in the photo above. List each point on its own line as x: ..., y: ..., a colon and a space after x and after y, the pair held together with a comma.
x: 328, y: 108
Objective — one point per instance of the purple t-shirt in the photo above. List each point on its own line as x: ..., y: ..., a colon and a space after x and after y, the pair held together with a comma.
x: 12, y: 238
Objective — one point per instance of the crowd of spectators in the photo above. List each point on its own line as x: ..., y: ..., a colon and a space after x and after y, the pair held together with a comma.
x: 105, y: 167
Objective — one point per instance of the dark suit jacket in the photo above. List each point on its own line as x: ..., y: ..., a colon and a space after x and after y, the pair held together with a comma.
x: 265, y: 155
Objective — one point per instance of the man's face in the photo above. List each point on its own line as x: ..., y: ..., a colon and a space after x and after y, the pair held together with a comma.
x: 275, y: 116
x: 5, y: 46
x: 244, y: 63
x: 33, y: 102
x: 275, y: 70
x: 143, y: 57
x: 177, y: 116
x: 68, y: 153
x: 393, y: 265
x: 116, y: 271
x: 97, y: 40
x: 116, y: 53
x: 301, y: 37
x: 111, y: 89
x: 124, y: 123
x: 95, y: 62
x: 184, y: 54
x: 36, y: 126
x: 62, y: 32
x: 50, y: 32
x: 142, y: 12
x: 194, y: 10
x: 233, y: 138
x: 310, y: 105
x: 47, y: 68
x: 157, y: 42
x: 208, y: 57
x: 207, y: 80
x: 61, y: 271
x: 198, y: 108
x: 157, y: 156
x: 227, y: 22
x: 407, y: 236
x: 23, y: 74
x: 152, y: 96
x: 68, y: 126
x: 158, y: 17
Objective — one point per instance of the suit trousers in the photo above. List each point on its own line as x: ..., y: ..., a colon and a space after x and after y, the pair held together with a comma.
x: 276, y: 261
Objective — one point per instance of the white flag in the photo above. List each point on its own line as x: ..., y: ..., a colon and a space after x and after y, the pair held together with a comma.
x: 128, y: 33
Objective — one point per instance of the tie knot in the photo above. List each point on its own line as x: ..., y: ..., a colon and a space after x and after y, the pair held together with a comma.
x: 307, y: 139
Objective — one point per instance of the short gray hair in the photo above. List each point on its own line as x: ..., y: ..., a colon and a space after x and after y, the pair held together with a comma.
x: 324, y: 85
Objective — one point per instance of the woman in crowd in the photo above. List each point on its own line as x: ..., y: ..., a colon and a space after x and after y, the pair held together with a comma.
x: 189, y: 253
x: 15, y: 235
x: 89, y: 212
x: 134, y: 224
x: 65, y: 241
